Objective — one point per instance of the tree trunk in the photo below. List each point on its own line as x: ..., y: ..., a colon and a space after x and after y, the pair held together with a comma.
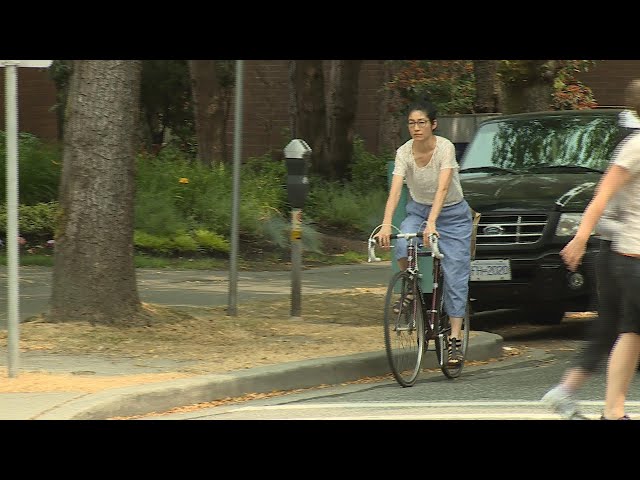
x: 391, y: 121
x: 94, y: 276
x: 209, y: 111
x: 307, y: 109
x: 486, y: 100
x: 341, y: 108
x: 532, y: 90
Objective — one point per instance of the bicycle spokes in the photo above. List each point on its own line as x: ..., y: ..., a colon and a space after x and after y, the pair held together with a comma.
x: 404, y: 328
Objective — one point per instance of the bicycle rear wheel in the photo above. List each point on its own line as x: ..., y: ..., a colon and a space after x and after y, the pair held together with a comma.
x: 443, y: 327
x: 404, y: 330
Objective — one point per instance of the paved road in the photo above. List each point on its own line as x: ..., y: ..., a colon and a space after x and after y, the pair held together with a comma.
x: 203, y: 288
x: 507, y: 389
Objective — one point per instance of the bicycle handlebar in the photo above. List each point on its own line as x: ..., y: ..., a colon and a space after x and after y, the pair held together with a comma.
x: 433, y: 242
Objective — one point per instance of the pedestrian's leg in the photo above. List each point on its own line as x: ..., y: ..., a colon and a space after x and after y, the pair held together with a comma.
x: 603, y: 330
x: 621, y: 369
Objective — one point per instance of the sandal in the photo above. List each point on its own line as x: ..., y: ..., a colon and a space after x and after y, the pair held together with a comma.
x: 403, y: 305
x: 455, y: 352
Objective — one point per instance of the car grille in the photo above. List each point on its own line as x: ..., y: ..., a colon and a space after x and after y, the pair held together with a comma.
x: 497, y: 230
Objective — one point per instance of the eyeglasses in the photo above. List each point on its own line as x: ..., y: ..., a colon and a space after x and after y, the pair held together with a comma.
x: 419, y: 123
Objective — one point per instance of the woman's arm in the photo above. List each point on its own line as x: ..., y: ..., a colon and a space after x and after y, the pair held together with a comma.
x: 444, y: 180
x: 612, y: 181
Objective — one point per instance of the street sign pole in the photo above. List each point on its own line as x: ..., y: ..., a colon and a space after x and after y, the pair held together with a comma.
x: 13, y: 252
x: 235, y: 212
x: 11, y: 130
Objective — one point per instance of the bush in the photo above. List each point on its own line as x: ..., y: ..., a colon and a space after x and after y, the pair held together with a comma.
x: 211, y: 241
x: 368, y: 171
x: 35, y: 221
x: 339, y: 206
x: 39, y: 169
x: 182, y: 206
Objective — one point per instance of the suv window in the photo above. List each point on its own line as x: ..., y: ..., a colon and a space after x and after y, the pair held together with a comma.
x: 523, y: 144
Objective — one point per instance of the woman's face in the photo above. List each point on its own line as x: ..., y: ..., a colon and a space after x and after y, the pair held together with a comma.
x: 420, y: 127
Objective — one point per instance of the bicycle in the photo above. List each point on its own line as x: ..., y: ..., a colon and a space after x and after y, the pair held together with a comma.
x: 406, y: 334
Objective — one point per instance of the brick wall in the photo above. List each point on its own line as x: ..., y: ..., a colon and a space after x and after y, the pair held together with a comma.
x: 36, y: 98
x: 265, y: 111
x: 266, y: 107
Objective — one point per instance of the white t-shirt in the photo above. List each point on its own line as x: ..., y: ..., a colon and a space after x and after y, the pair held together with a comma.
x: 627, y: 238
x: 609, y: 223
x: 423, y: 181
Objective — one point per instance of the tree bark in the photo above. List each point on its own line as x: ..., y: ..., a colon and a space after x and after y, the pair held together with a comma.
x: 486, y: 74
x: 391, y: 122
x: 94, y: 276
x: 308, y: 110
x: 532, y: 90
x: 209, y: 111
x: 342, y: 105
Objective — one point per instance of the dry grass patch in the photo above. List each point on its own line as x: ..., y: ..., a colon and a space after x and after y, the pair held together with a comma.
x: 262, y: 333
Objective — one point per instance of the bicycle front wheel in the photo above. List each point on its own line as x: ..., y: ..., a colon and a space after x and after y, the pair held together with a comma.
x: 404, y: 328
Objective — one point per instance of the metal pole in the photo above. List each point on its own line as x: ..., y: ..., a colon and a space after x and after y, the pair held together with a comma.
x: 296, y: 262
x: 11, y: 108
x: 237, y: 144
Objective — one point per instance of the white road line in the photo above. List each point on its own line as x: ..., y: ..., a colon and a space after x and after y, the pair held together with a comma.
x: 453, y: 404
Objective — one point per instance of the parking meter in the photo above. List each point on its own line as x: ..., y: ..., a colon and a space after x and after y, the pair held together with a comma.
x: 297, y: 154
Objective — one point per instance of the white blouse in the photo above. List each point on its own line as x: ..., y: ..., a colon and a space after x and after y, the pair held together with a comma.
x: 423, y: 181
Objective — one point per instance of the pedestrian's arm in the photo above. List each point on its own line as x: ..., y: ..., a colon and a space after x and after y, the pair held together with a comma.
x: 612, y: 181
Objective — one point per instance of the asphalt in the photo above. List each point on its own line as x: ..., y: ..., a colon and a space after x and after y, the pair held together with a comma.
x: 186, y: 288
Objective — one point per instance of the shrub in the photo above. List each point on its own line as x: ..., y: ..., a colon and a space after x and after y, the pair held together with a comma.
x: 339, y: 206
x: 39, y: 169
x: 36, y: 221
x: 211, y: 241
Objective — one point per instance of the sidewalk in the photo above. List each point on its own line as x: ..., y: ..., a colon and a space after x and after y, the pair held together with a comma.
x: 184, y: 289
x: 163, y: 396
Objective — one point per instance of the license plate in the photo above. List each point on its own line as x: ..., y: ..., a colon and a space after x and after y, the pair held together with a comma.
x: 488, y: 270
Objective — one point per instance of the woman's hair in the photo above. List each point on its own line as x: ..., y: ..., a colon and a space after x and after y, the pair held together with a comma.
x: 425, y: 106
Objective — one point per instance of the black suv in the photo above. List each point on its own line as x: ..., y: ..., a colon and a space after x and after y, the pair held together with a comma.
x: 531, y: 176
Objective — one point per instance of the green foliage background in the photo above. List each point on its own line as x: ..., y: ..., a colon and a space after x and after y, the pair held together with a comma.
x: 185, y: 208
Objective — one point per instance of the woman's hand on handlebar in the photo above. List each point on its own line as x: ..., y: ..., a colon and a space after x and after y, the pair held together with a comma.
x: 383, y: 235
x: 428, y: 230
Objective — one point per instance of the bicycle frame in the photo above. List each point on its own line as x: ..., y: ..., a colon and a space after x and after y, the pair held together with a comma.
x: 432, y: 331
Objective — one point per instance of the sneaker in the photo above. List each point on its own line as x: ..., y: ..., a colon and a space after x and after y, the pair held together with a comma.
x: 562, y: 403
x: 455, y: 352
x: 624, y: 417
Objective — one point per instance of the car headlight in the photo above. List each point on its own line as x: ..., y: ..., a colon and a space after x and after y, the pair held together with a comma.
x: 568, y: 224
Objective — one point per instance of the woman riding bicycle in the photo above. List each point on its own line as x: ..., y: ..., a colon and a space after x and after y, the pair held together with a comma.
x: 428, y: 164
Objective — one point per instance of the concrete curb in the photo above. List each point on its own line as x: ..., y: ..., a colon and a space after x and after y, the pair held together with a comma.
x: 160, y: 397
